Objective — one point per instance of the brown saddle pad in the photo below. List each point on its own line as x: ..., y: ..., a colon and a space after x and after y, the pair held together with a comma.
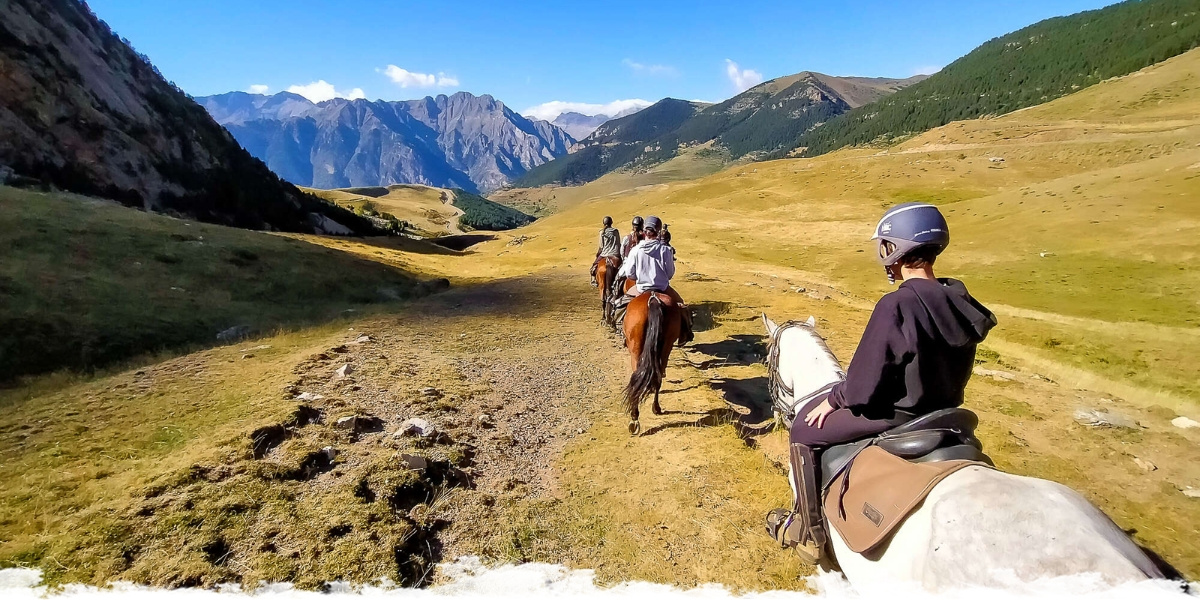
x: 884, y: 489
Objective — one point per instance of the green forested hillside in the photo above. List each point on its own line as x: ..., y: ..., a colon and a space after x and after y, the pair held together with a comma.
x: 1036, y: 64
x: 481, y: 213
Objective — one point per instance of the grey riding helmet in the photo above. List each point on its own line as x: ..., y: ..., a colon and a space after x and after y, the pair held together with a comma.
x: 654, y: 223
x: 909, y: 226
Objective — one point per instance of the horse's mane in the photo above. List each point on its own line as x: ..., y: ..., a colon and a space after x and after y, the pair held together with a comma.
x: 775, y: 385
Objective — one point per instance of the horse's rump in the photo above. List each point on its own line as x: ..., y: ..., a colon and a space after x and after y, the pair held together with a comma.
x: 868, y: 501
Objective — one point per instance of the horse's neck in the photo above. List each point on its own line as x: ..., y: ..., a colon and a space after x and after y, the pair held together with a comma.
x: 805, y: 362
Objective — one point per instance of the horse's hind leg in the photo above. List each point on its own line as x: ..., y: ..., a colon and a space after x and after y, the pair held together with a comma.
x: 655, y: 407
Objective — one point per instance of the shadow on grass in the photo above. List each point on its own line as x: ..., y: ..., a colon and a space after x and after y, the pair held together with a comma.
x: 739, y: 350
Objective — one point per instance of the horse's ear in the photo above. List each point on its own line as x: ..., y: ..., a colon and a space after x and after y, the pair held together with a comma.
x: 771, y: 326
x: 811, y: 322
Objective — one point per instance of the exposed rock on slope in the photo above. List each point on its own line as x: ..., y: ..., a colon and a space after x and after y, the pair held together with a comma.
x: 760, y: 120
x: 465, y: 141
x: 82, y: 111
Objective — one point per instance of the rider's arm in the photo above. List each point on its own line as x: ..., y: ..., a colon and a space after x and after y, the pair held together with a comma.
x: 876, y: 374
x: 627, y: 267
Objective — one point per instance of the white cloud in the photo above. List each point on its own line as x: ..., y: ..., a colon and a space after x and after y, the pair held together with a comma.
x: 320, y: 91
x: 258, y: 88
x: 645, y: 69
x: 742, y: 79
x: 550, y: 110
x: 406, y: 79
x: 927, y: 70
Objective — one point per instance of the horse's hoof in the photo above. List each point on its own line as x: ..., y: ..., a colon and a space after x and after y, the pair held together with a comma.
x: 635, y: 427
x: 657, y: 409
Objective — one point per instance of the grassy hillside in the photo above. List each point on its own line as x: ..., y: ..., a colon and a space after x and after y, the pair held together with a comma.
x: 427, y: 211
x: 88, y: 283
x: 1030, y: 66
x: 417, y: 209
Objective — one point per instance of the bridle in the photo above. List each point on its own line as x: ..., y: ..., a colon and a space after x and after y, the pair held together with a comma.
x: 779, y: 390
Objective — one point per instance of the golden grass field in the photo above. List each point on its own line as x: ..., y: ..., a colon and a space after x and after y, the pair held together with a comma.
x: 424, y: 207
x: 1081, y: 238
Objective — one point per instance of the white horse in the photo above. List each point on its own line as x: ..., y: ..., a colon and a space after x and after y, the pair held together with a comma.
x: 979, y: 526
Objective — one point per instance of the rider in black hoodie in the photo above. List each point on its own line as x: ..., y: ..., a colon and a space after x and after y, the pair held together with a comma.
x: 915, y: 357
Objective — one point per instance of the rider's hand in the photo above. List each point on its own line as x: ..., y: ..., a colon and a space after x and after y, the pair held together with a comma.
x: 816, y: 417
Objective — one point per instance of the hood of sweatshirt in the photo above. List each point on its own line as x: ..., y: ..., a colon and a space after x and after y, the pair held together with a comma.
x: 959, y: 318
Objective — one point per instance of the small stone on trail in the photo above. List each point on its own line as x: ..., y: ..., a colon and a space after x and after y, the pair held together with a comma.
x: 485, y: 420
x: 309, y: 396
x: 245, y: 356
x: 1191, y: 493
x: 431, y: 392
x: 362, y: 339
x: 415, y: 426
x: 1002, y: 375
x: 346, y: 422
x: 414, y: 462
x: 1103, y: 418
x: 344, y: 370
x: 360, y: 424
x: 330, y: 453
x: 1144, y: 464
x: 1185, y: 423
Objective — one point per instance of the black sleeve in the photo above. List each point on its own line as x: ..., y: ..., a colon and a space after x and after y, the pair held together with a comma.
x: 876, y: 373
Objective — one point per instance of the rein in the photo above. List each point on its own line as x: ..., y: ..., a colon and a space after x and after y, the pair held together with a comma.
x: 779, y: 390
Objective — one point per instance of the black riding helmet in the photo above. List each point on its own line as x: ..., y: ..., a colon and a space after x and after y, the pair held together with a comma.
x: 608, y: 221
x: 906, y: 227
x: 637, y: 222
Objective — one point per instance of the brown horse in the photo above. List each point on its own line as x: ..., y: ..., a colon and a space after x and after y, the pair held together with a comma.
x: 606, y: 274
x: 652, y: 325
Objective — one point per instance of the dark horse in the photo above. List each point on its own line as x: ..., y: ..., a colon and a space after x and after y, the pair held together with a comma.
x: 606, y: 274
x: 652, y: 325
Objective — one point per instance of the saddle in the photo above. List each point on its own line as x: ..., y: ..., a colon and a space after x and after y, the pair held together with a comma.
x: 947, y: 434
x: 872, y: 485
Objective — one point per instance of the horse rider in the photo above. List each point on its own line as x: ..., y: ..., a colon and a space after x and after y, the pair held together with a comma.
x: 628, y: 243
x: 609, y: 248
x: 651, y: 264
x: 632, y: 239
x: 915, y: 357
x: 666, y: 234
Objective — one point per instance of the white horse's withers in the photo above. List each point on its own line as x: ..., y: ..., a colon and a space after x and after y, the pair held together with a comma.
x: 979, y: 526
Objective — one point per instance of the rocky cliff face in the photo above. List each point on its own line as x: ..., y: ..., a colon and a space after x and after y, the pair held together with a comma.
x: 82, y: 111
x: 463, y: 141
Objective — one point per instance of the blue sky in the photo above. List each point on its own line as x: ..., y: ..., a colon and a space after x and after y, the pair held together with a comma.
x: 531, y: 53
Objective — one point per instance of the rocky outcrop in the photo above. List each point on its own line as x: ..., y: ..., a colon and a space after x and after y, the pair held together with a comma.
x: 80, y: 110
x: 464, y: 141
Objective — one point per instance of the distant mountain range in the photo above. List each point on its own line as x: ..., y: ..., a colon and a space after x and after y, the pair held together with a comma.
x: 460, y: 141
x: 580, y: 125
x: 82, y: 111
x: 756, y: 122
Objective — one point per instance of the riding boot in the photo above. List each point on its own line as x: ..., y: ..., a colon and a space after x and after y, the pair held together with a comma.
x: 595, y: 265
x: 685, y: 334
x: 809, y: 515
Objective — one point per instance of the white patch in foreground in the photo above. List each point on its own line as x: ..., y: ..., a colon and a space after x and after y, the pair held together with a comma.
x: 468, y: 578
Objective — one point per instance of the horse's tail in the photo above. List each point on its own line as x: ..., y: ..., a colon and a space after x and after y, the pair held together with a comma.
x: 648, y: 376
